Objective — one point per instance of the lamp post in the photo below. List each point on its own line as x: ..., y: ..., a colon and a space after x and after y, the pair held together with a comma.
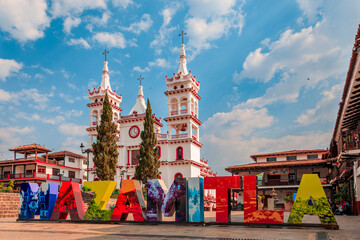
x: 88, y: 150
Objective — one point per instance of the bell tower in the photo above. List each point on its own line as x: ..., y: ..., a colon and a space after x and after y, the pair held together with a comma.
x: 97, y: 97
x: 183, y: 111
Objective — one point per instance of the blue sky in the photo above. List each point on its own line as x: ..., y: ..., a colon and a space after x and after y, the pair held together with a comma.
x: 271, y: 72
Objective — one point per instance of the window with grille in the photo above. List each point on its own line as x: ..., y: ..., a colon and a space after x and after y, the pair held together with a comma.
x: 41, y: 169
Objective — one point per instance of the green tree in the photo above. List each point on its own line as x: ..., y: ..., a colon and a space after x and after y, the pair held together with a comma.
x: 149, y: 163
x: 105, y: 149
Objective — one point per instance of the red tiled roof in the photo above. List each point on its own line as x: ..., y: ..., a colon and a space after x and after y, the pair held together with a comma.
x: 30, y: 148
x: 62, y: 154
x: 280, y: 164
x: 291, y: 152
x: 347, y: 82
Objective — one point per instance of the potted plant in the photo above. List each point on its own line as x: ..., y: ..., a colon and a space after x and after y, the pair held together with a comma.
x: 288, y: 203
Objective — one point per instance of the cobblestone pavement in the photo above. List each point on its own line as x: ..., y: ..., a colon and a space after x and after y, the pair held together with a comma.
x: 10, y: 229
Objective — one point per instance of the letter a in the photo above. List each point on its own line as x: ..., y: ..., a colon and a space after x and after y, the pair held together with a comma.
x: 130, y: 200
x: 69, y: 201
x: 311, y: 199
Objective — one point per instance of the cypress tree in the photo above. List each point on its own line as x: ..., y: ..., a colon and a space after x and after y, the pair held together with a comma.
x: 149, y: 163
x: 105, y: 149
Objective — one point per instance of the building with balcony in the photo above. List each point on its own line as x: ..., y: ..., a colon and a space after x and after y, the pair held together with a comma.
x: 344, y: 146
x: 31, y: 167
x: 179, y: 144
x: 281, y: 173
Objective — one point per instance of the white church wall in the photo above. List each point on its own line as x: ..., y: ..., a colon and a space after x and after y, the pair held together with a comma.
x: 195, y: 153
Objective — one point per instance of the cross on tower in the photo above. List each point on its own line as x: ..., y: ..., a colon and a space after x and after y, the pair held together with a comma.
x: 140, y: 79
x: 105, y: 52
x: 182, y: 35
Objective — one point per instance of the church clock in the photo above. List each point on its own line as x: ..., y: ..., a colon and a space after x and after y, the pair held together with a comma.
x: 134, y: 131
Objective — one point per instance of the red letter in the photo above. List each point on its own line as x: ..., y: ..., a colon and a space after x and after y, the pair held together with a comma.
x: 222, y: 185
x: 251, y: 215
x: 68, y: 201
x: 130, y: 200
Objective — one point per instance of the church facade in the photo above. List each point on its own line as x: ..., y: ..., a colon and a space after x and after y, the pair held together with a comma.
x: 179, y: 145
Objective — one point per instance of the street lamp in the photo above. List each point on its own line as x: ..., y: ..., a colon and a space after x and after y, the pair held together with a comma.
x: 88, y: 150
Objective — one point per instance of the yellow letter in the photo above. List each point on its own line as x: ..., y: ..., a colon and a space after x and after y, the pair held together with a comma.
x: 311, y: 199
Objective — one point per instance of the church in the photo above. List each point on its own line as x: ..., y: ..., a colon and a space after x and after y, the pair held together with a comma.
x: 179, y: 146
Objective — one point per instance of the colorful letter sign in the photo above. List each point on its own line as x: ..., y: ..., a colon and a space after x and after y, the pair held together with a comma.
x: 251, y: 214
x: 130, y: 200
x: 28, y: 203
x: 195, y: 199
x: 156, y: 193
x: 311, y: 199
x: 103, y: 191
x: 69, y: 201
x: 35, y: 200
x: 175, y: 200
x: 222, y: 185
x: 159, y: 200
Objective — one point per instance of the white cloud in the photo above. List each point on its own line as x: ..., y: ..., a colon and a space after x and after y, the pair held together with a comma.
x: 67, y: 74
x: 316, y: 52
x: 159, y: 62
x: 238, y: 122
x: 31, y: 96
x: 210, y: 20
x: 139, y: 69
x: 4, y: 96
x: 69, y: 7
x: 24, y: 20
x: 46, y: 70
x: 162, y: 39
x: 40, y: 76
x: 72, y: 144
x: 71, y: 22
x: 73, y: 113
x: 96, y: 21
x: 296, y: 56
x: 67, y: 98
x: 73, y: 129
x: 72, y: 86
x: 310, y: 8
x: 142, y: 26
x: 116, y: 40
x: 13, y: 136
x: 8, y: 67
x: 36, y: 117
x: 230, y: 138
x: 122, y: 3
x: 324, y: 110
x: 79, y: 42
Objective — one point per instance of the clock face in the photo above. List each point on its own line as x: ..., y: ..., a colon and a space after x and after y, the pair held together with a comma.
x: 134, y: 131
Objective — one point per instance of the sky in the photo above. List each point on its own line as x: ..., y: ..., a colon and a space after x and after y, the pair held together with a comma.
x: 271, y: 72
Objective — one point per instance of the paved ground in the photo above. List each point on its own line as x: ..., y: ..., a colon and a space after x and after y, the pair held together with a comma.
x: 10, y: 229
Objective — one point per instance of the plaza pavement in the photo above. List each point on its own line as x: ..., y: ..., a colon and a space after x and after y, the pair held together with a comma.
x: 12, y: 230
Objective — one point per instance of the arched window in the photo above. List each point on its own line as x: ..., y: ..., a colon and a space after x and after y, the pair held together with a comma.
x: 159, y: 152
x: 178, y: 175
x: 95, y: 115
x: 179, y: 153
x: 174, y: 106
x: 183, y: 105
